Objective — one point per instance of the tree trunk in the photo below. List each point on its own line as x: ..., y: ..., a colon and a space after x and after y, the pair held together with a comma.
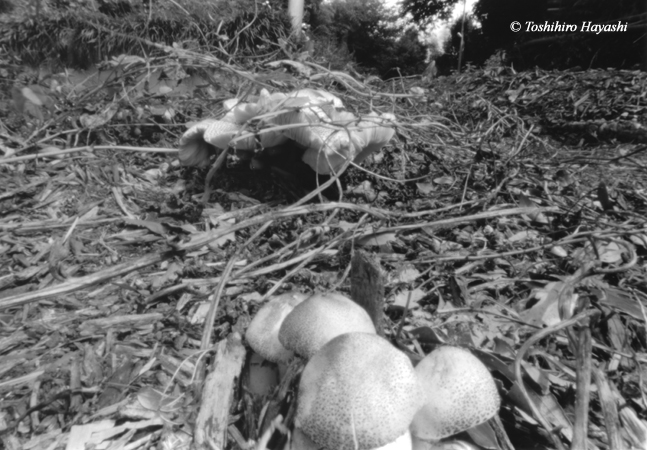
x: 295, y: 9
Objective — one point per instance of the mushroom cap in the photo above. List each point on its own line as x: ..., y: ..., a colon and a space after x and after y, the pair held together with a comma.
x: 301, y: 441
x: 358, y: 389
x: 403, y: 442
x: 320, y: 318
x: 194, y: 150
x: 327, y: 149
x: 311, y: 118
x: 343, y: 137
x: 263, y: 331
x: 318, y: 97
x: 239, y: 112
x: 206, y: 137
x: 220, y: 134
x: 323, y: 131
x: 459, y: 393
x: 375, y: 134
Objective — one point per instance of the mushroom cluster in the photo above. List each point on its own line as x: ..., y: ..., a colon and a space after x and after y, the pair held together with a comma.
x: 357, y: 391
x: 309, y: 119
x: 297, y: 323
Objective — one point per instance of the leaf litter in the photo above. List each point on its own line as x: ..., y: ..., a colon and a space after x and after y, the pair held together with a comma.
x: 508, y: 216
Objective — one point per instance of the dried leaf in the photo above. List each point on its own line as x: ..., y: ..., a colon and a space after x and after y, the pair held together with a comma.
x: 152, y: 226
x: 229, y: 237
x: 523, y: 236
x: 484, y: 436
x: 425, y: 188
x: 412, y: 297
x: 547, y: 404
x: 535, y: 216
x: 639, y: 239
x: 81, y: 436
x: 559, y: 251
x: 376, y: 239
x: 406, y: 274
x: 610, y: 252
x: 545, y: 311
x: 447, y: 180
x: 98, y: 120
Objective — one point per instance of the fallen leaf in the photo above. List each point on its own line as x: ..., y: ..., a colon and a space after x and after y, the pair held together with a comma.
x: 376, y: 239
x: 406, y: 274
x: 413, y: 297
x: 425, y: 188
x: 545, y: 311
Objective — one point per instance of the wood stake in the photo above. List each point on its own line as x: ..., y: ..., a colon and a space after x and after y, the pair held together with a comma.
x: 367, y: 287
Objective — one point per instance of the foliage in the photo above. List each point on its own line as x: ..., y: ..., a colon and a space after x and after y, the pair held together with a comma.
x: 404, y: 56
x: 5, y: 6
x: 367, y: 32
x: 476, y: 49
x: 563, y: 49
x: 79, y: 33
x: 546, y: 49
x: 495, y: 17
x: 423, y: 11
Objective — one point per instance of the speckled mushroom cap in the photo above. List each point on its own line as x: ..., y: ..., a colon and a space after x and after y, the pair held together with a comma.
x: 320, y: 318
x: 357, y: 389
x: 459, y: 394
x: 300, y: 441
x: 263, y: 332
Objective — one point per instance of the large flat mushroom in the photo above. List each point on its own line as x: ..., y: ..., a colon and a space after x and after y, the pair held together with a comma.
x: 310, y: 119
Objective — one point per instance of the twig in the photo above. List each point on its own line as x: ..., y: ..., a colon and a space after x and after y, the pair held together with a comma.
x: 519, y: 379
x: 583, y: 381
x: 212, y: 172
x: 609, y: 410
x: 205, y: 343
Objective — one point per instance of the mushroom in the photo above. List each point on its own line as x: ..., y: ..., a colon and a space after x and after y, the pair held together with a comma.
x: 300, y: 441
x: 215, y: 135
x: 263, y: 331
x: 194, y: 149
x: 330, y: 136
x: 315, y: 97
x: 375, y: 134
x: 357, y: 393
x: 328, y: 144
x: 459, y: 393
x: 312, y: 119
x: 320, y: 318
